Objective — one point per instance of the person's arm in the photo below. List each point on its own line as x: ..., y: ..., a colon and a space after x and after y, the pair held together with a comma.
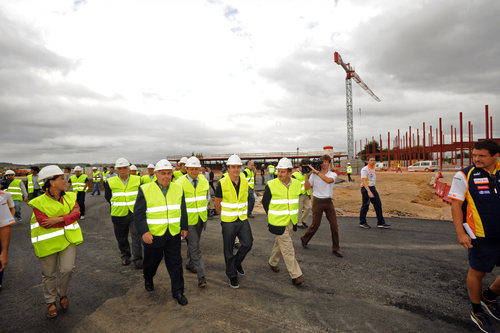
x: 364, y: 182
x: 23, y: 190
x: 266, y: 199
x: 218, y: 198
x: 107, y: 192
x: 68, y: 185
x: 184, y: 218
x: 5, y: 241
x: 323, y: 177
x: 86, y: 184
x: 140, y: 217
x: 457, y: 194
x: 308, y: 182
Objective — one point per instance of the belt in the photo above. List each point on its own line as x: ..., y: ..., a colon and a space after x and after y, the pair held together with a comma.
x: 322, y: 199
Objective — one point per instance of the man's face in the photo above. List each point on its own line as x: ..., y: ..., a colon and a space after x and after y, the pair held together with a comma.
x: 66, y: 170
x: 325, y: 164
x: 10, y: 177
x: 133, y: 172
x: 251, y: 165
x: 123, y: 171
x: 151, y: 171
x: 483, y: 159
x: 193, y: 172
x: 203, y: 170
x: 234, y: 170
x: 372, y: 161
x: 164, y: 177
x: 183, y: 168
x: 284, y: 175
x: 78, y: 173
x: 111, y: 170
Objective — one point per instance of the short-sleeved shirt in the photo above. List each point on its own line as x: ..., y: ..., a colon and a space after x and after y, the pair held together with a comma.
x: 6, y: 203
x: 458, y: 187
x: 321, y: 189
x: 368, y: 173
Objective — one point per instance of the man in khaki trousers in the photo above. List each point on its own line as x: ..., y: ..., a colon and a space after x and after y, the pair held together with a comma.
x: 281, y: 203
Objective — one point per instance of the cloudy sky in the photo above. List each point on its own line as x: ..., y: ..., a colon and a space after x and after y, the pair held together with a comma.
x: 93, y: 80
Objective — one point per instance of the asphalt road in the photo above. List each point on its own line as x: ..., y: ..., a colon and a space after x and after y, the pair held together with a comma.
x: 407, y: 279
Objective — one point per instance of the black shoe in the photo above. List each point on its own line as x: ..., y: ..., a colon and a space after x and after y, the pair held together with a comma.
x: 233, y: 283
x: 365, y: 226
x: 491, y: 307
x: 304, y: 224
x: 240, y: 270
x: 181, y: 299
x: 384, y: 226
x: 482, y: 321
x: 149, y: 285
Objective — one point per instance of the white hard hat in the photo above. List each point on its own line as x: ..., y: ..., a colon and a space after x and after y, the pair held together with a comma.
x: 9, y: 172
x: 50, y: 171
x: 193, y: 162
x: 234, y: 160
x: 151, y: 166
x: 94, y: 168
x: 183, y: 160
x: 284, y: 163
x: 133, y: 167
x: 349, y: 163
x: 78, y: 168
x: 163, y: 165
x: 121, y: 162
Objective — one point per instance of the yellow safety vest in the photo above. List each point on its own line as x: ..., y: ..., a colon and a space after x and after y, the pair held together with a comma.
x: 270, y: 169
x: 96, y: 177
x: 196, y: 198
x: 53, y: 240
x: 302, y: 179
x: 123, y: 196
x: 78, y: 183
x: 104, y: 175
x: 31, y: 188
x: 234, y: 206
x: 349, y: 169
x: 284, y: 205
x: 147, y: 179
x: 250, y: 176
x: 163, y: 212
x: 15, y: 190
x: 176, y: 175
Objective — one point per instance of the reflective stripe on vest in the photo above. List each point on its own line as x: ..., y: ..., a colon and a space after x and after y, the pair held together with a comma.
x: 15, y: 190
x: 31, y: 187
x: 250, y: 178
x: 284, y: 204
x: 196, y: 199
x: 163, y: 212
x: 234, y: 205
x: 123, y: 196
x: 78, y: 183
x: 53, y: 240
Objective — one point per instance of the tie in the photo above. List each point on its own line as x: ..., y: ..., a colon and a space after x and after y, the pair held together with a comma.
x: 195, y: 181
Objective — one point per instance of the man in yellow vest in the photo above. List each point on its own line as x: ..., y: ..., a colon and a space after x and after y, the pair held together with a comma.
x: 17, y: 190
x: 349, y: 171
x: 281, y: 203
x: 134, y: 170
x: 197, y: 195
x: 305, y: 195
x: 181, y: 169
x: 231, y: 202
x: 150, y: 177
x: 250, y: 175
x: 96, y: 179
x: 79, y: 182
x: 121, y: 191
x: 161, y: 218
x: 34, y: 185
x: 270, y: 172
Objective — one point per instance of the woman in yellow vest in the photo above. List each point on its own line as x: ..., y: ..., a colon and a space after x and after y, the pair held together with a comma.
x: 55, y: 233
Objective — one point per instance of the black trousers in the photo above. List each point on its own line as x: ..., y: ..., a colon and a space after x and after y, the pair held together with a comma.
x: 80, y: 198
x: 171, y: 251
x: 349, y: 177
x: 229, y: 232
x: 377, y: 204
x: 121, y: 226
x: 36, y: 193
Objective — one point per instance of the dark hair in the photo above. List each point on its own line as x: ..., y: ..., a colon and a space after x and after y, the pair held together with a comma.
x: 490, y: 145
x: 46, y: 184
x: 326, y: 158
x: 35, y: 168
x: 370, y: 157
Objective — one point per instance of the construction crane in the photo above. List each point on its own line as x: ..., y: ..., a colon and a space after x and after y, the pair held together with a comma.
x: 348, y: 88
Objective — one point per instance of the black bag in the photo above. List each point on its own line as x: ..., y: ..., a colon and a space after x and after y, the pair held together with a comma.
x: 277, y: 230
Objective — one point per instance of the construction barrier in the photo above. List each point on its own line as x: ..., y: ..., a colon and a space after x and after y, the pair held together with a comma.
x: 441, y: 190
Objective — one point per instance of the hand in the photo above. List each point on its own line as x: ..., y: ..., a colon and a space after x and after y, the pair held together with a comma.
x: 312, y: 170
x: 3, y: 261
x: 465, y: 241
x: 50, y: 221
x: 370, y: 194
x: 147, y: 238
x: 184, y: 233
x: 25, y: 199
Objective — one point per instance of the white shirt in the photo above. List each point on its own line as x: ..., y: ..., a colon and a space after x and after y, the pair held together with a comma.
x: 322, y: 190
x: 6, y: 202
x: 368, y: 174
x: 458, y: 187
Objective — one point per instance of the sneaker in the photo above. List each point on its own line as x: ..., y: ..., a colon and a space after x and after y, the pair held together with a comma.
x: 240, y: 270
x: 365, y: 226
x: 234, y: 283
x: 237, y: 245
x: 82, y: 217
x: 482, y: 321
x: 491, y: 307
x: 384, y: 226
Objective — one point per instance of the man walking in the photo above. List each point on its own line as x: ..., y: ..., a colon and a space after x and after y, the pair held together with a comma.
x: 79, y: 183
x: 349, y: 171
x: 281, y: 203
x: 475, y: 209
x: 96, y: 179
x: 369, y: 194
x: 17, y: 190
x: 263, y: 174
x: 161, y: 218
x: 270, y: 172
x: 250, y: 176
x: 231, y: 202
x: 121, y: 193
x: 322, y: 183
x: 305, y: 195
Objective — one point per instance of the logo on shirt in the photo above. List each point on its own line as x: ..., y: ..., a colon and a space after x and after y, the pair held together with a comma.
x: 481, y: 180
x: 484, y: 192
x: 476, y: 173
x: 483, y: 187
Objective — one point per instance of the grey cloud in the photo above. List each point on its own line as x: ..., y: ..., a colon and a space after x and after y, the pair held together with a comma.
x: 230, y: 12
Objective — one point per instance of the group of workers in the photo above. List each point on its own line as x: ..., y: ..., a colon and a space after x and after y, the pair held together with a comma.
x: 164, y: 206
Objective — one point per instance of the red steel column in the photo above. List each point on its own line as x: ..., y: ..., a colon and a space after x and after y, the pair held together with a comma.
x: 487, y: 120
x: 470, y: 143
x: 440, y: 144
x: 380, y: 139
x: 418, y: 145
x: 389, y: 150
x: 423, y: 140
x: 461, y: 143
x: 491, y: 127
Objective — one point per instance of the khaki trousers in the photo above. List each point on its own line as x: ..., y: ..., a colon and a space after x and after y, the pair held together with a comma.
x: 65, y: 259
x: 304, y: 208
x: 283, y: 247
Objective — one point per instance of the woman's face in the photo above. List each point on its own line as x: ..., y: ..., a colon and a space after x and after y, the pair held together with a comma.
x: 58, y: 183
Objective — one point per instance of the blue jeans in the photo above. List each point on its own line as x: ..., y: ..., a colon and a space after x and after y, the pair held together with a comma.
x: 263, y: 180
x: 96, y: 189
x: 270, y: 176
x: 251, y: 201
x: 17, y: 208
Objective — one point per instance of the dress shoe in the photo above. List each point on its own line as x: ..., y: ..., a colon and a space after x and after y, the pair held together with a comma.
x: 149, y: 285
x: 304, y: 244
x: 138, y: 264
x: 202, y: 283
x: 181, y: 299
x: 338, y: 253
x: 297, y: 281
x: 275, y: 269
x: 191, y: 269
x: 125, y: 262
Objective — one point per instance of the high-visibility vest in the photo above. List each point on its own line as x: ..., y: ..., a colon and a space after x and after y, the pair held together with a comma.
x: 123, y: 196
x: 176, y: 175
x: 270, y: 169
x: 31, y: 188
x: 163, y: 212
x: 234, y: 206
x: 15, y: 190
x: 147, y: 179
x: 78, y: 183
x: 104, y: 175
x: 275, y: 171
x: 349, y: 169
x: 53, y: 240
x: 196, y: 198
x: 250, y: 176
x: 95, y: 177
x: 284, y: 204
x: 302, y: 179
